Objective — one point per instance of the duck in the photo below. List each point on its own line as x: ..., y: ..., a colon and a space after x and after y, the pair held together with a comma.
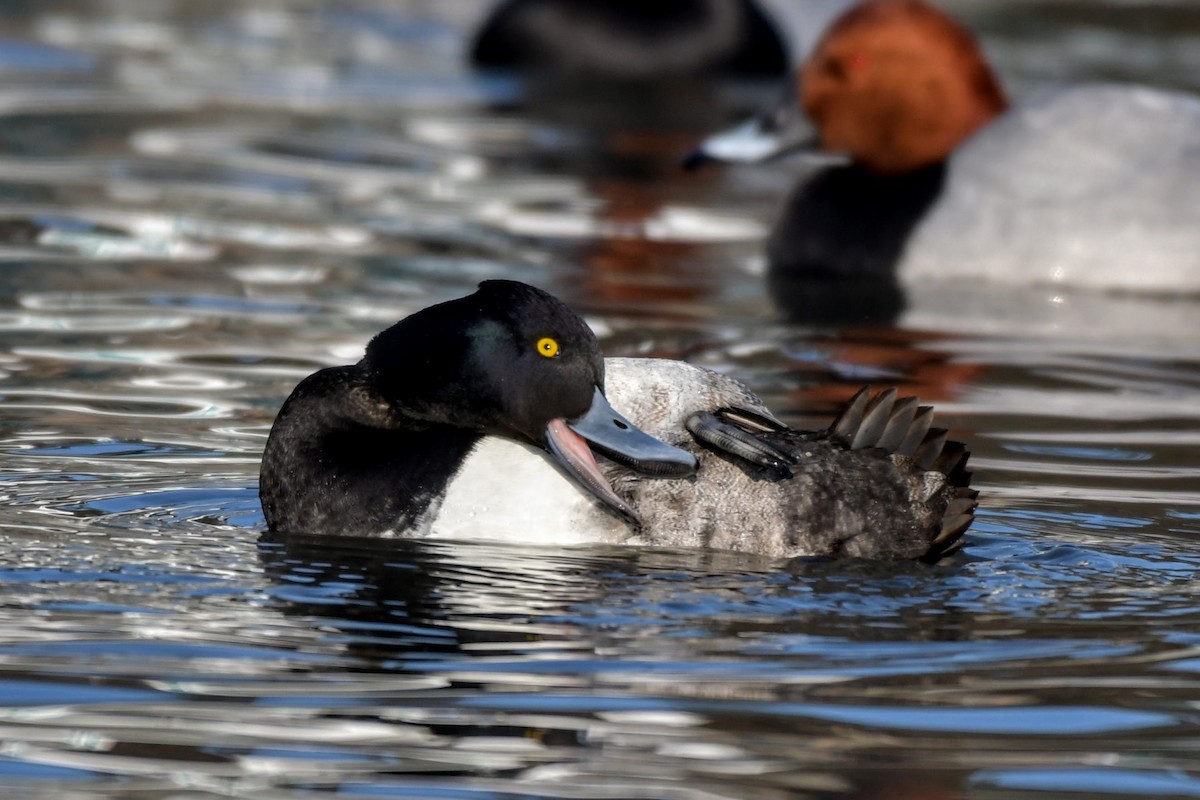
x: 372, y: 448
x: 631, y: 40
x: 919, y: 168
x: 472, y: 419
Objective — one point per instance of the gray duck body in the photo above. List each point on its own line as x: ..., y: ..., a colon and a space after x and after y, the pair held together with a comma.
x: 878, y: 483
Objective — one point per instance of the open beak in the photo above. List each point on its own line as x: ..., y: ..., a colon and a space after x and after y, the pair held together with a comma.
x: 783, y: 131
x: 617, y: 438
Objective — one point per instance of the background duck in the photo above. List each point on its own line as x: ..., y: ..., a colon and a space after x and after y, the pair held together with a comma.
x: 631, y: 39
x: 1094, y: 186
x: 443, y: 430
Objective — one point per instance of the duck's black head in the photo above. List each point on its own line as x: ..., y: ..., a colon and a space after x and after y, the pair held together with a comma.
x: 506, y: 360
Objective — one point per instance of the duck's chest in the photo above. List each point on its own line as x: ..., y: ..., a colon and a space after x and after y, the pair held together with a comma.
x: 510, y: 491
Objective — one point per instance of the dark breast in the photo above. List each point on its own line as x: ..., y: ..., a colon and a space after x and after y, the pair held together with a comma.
x: 333, y: 466
x: 833, y: 252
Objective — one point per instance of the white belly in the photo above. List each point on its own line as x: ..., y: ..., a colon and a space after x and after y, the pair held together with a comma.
x: 513, y: 492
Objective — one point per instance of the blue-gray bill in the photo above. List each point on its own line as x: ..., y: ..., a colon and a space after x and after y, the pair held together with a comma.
x: 619, y: 439
x: 780, y: 132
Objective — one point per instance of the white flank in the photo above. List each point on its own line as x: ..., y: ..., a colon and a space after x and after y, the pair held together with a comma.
x: 513, y: 492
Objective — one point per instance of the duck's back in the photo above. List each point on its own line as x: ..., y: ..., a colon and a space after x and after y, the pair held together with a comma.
x: 877, y: 484
x: 836, y: 502
x: 1093, y: 186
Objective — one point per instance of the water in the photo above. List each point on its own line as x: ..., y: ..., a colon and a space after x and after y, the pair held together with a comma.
x: 198, y: 207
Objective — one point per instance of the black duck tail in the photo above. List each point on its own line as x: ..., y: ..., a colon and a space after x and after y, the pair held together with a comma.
x: 900, y: 426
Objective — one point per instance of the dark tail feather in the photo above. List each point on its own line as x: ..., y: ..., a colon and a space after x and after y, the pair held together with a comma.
x: 922, y: 419
x: 960, y: 513
x: 875, y: 420
x: 931, y: 448
x: 903, y: 427
x: 848, y: 422
x: 953, y: 462
x: 901, y: 420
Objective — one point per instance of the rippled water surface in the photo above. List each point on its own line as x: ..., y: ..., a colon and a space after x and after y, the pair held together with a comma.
x: 202, y: 203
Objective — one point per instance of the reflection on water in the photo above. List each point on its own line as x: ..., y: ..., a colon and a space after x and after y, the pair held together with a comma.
x: 200, y: 206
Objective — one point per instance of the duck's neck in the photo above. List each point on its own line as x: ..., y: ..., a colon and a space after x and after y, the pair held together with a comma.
x: 339, y: 460
x: 833, y: 253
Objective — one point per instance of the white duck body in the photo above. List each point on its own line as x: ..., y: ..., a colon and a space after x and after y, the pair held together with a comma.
x: 1096, y: 186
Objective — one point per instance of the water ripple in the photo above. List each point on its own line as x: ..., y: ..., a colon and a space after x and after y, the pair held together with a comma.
x: 201, y: 204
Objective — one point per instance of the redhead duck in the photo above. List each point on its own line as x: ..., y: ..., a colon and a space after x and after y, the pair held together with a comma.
x: 1095, y: 187
x: 468, y: 420
x: 630, y: 39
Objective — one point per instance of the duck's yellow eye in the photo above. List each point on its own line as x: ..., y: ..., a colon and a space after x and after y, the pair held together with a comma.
x: 547, y: 347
